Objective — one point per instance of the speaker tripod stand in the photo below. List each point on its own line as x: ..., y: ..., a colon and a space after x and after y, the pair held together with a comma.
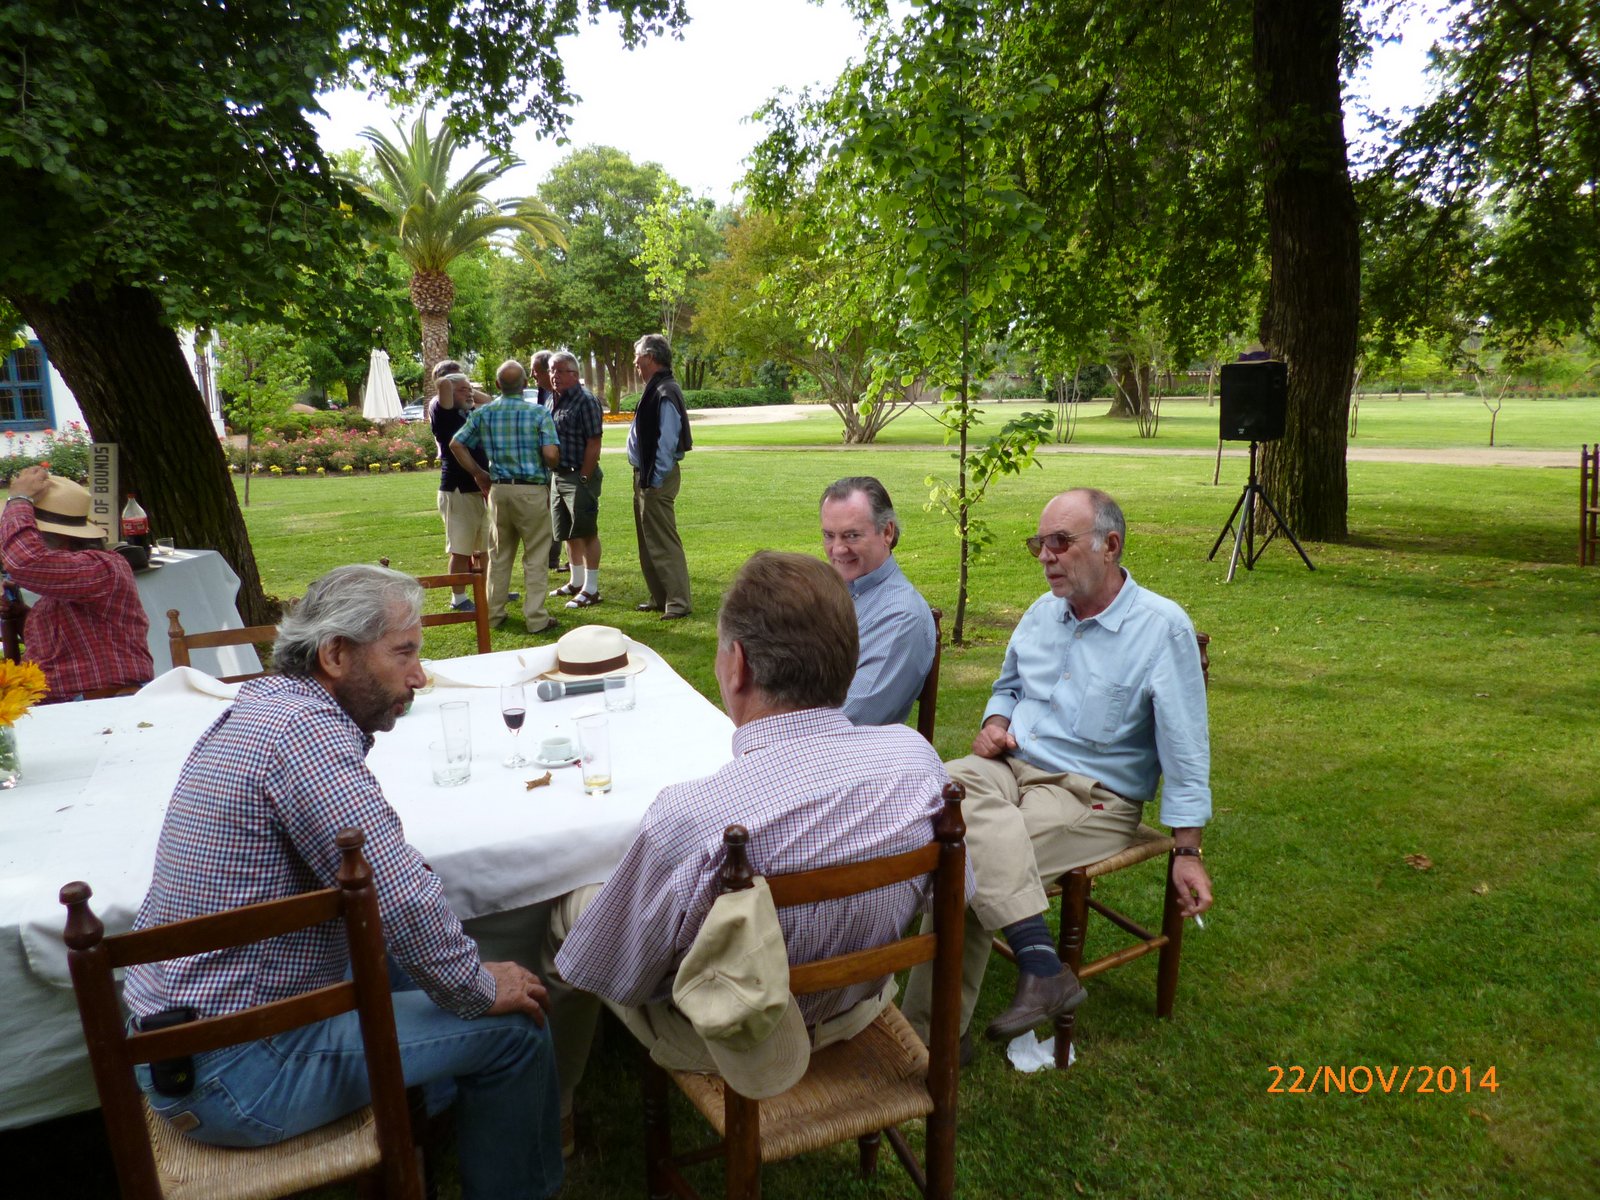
x: 1244, y: 532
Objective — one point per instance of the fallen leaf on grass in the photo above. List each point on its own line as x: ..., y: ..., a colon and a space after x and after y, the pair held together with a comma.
x: 1481, y: 695
x: 1420, y: 862
x: 1481, y: 889
x: 1482, y: 1116
x: 542, y: 781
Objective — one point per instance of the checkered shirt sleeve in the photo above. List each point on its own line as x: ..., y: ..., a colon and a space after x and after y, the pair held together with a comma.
x: 253, y: 817
x: 88, y: 629
x: 511, y: 431
x: 814, y: 791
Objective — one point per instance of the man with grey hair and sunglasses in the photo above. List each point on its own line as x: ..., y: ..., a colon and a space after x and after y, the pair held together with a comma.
x: 1100, y: 699
x: 254, y: 817
x: 859, y: 534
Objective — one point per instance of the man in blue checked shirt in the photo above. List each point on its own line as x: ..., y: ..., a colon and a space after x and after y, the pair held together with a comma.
x: 253, y: 817
x: 1100, y: 700
x: 522, y: 444
x: 859, y: 534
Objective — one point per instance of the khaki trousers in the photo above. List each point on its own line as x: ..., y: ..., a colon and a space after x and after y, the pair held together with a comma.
x: 1024, y: 826
x: 661, y: 1029
x: 661, y: 561
x: 519, y: 514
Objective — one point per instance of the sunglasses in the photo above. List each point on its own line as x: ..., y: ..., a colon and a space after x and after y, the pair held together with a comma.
x: 1056, y: 543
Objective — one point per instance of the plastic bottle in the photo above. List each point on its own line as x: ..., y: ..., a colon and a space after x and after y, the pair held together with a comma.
x: 135, y: 524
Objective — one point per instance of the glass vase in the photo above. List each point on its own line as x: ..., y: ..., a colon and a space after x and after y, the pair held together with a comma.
x: 10, y: 772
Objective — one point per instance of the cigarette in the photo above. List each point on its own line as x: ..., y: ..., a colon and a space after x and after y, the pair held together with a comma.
x: 1199, y: 921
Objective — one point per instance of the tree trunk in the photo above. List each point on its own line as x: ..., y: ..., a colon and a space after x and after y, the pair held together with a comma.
x: 127, y: 372
x: 1314, y: 241
x: 1124, y: 395
x: 435, y: 340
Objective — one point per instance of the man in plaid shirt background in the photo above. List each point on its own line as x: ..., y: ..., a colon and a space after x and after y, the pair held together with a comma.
x: 522, y: 444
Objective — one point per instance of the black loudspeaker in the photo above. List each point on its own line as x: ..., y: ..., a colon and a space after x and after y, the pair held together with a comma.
x: 1255, y: 401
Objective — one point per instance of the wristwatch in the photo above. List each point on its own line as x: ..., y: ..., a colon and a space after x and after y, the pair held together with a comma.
x: 1188, y: 851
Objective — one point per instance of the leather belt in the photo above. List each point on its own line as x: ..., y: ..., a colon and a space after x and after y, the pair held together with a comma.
x: 521, y: 482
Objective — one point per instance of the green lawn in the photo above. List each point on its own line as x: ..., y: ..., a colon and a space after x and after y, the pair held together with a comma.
x: 1430, y: 689
x: 1443, y: 423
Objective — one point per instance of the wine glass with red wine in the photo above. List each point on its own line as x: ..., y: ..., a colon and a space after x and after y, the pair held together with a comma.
x: 514, y: 711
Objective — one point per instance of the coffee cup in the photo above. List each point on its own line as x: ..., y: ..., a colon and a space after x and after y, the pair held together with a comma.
x: 556, y: 749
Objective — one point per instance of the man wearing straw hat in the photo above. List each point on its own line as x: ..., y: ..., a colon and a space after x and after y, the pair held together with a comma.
x: 88, y: 631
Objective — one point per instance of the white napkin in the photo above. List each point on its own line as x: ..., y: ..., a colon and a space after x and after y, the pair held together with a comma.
x: 1028, y: 1053
x: 496, y: 669
x: 184, y: 680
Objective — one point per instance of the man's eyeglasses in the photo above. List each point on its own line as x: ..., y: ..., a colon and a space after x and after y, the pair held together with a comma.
x: 1056, y: 543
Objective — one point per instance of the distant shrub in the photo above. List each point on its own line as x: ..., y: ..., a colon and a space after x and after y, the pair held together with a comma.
x: 66, y: 450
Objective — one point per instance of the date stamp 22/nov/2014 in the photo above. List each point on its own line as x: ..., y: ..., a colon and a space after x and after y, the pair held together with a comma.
x: 1420, y: 1079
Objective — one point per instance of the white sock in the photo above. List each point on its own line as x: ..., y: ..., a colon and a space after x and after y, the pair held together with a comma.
x: 592, y: 580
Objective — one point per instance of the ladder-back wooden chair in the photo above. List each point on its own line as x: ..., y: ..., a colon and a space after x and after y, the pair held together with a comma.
x: 181, y: 643
x: 928, y: 697
x: 1077, y: 902
x: 479, y: 615
x: 1589, y: 505
x: 861, y: 1088
x: 152, y: 1159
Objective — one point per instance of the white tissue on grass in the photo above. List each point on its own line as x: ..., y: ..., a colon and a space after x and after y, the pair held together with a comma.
x: 1029, y: 1053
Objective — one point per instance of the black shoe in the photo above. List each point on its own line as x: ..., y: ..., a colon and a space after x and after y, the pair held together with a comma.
x: 673, y: 616
x: 968, y: 1051
x: 549, y: 626
x: 1038, y: 999
x: 646, y: 607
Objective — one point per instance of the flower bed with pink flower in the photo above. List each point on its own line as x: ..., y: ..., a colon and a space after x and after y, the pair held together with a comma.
x: 66, y: 451
x: 329, y: 451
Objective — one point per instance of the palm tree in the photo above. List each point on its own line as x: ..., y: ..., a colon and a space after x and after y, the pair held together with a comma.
x: 436, y: 220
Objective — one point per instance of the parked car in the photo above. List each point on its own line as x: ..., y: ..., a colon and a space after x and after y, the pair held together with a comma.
x: 412, y: 412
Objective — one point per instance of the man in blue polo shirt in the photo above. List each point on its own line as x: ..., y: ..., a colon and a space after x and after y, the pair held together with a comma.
x: 522, y: 445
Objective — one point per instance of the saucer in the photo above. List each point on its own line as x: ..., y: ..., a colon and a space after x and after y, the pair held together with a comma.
x: 552, y: 763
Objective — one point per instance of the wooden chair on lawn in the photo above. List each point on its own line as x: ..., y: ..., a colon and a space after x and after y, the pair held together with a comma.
x: 1589, y: 505
x: 1077, y: 902
x: 479, y: 615
x: 928, y: 697
x: 181, y: 643
x: 153, y: 1159
x: 857, y: 1089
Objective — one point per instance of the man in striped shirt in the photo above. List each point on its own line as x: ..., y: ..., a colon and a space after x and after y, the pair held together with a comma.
x: 253, y: 817
x: 812, y: 789
x: 859, y: 534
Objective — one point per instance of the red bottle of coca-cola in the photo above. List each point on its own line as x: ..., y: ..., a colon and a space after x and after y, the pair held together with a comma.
x: 135, y: 524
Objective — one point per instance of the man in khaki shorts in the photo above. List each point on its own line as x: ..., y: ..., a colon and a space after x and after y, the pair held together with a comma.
x: 1101, y: 698
x: 462, y: 507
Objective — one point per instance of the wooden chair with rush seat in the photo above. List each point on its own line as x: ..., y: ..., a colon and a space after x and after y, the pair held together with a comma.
x: 928, y: 697
x: 153, y: 1160
x: 1077, y: 902
x: 479, y: 615
x: 1589, y: 505
x: 181, y: 643
x: 858, y: 1089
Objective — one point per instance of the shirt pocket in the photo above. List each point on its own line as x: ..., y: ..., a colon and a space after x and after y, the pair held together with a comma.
x: 1101, y: 709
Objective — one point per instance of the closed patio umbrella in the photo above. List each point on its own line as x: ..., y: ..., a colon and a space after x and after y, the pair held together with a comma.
x: 380, y: 398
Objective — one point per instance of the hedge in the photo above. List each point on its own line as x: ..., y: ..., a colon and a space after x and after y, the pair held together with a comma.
x: 748, y: 397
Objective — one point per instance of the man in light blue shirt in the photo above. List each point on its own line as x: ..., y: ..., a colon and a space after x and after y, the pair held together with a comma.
x: 1100, y: 699
x: 859, y: 534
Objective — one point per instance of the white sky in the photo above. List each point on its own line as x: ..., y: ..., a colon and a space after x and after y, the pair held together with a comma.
x: 734, y: 55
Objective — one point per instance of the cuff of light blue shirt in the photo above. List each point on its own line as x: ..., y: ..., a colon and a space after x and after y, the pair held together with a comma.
x: 1185, y: 813
x: 1000, y: 706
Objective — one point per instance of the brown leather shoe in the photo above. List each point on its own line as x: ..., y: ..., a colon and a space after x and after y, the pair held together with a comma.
x: 1038, y: 999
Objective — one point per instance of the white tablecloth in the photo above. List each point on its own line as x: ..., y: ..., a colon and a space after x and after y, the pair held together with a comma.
x: 201, y: 586
x: 97, y: 776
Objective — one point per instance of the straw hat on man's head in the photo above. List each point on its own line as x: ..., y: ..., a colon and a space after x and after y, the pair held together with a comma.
x: 62, y: 508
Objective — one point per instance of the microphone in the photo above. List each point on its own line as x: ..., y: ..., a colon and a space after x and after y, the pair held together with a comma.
x: 554, y: 689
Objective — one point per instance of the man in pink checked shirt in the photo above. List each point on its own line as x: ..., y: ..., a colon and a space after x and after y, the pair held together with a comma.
x: 88, y: 632
x: 813, y: 789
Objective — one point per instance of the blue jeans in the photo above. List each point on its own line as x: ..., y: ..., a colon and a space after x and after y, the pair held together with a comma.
x: 508, y: 1123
